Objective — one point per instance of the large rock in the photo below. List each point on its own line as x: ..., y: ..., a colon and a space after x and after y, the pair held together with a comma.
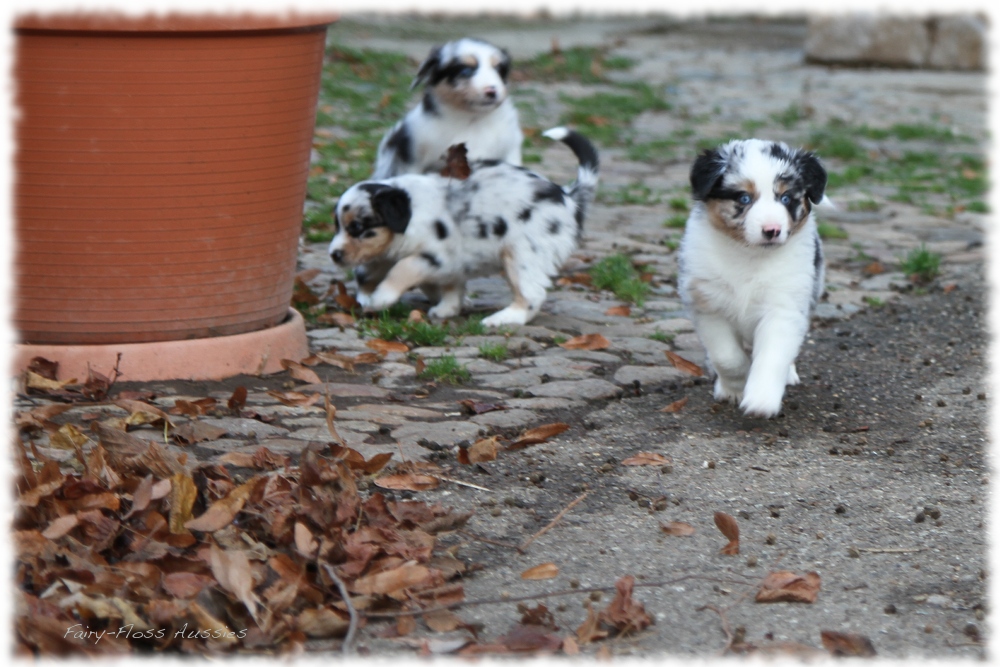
x: 952, y: 42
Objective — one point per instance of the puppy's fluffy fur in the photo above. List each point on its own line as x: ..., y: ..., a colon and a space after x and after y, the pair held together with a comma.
x: 465, y: 101
x: 429, y: 230
x: 751, y: 266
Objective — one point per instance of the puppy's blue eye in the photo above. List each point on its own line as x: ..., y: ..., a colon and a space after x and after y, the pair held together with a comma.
x: 467, y: 71
x: 785, y: 199
x: 745, y: 199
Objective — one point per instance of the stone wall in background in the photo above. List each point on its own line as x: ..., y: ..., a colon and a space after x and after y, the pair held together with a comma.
x: 939, y: 42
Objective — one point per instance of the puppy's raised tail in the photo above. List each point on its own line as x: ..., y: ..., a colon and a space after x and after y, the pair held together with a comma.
x: 585, y: 187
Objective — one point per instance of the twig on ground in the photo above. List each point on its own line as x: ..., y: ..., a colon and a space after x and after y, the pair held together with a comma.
x: 458, y: 481
x: 725, y: 625
x: 890, y: 550
x: 352, y: 628
x: 524, y: 545
x: 542, y: 596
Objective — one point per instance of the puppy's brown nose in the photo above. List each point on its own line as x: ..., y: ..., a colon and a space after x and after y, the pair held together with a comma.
x: 490, y: 93
x: 337, y: 256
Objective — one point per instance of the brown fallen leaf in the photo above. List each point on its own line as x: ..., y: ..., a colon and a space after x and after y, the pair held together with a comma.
x: 843, y: 644
x: 593, y: 341
x: 300, y: 372
x: 727, y: 526
x: 874, y: 268
x: 141, y: 497
x: 677, y: 528
x: 191, y: 408
x: 68, y: 437
x: 61, y: 526
x: 342, y: 320
x: 390, y: 581
x: 443, y: 620
x: 184, y: 584
x: 539, y: 615
x: 294, y: 398
x: 483, y: 450
x: 623, y: 612
x: 590, y: 629
x: 194, y: 432
x: 385, y: 346
x: 570, y: 647
x: 646, y: 459
x: 44, y: 384
x: 538, y: 435
x: 238, y: 400
x: 530, y: 639
x: 683, y: 364
x: 405, y: 625
x: 539, y: 572
x: 232, y: 570
x: 619, y: 311
x: 305, y: 543
x: 183, y: 493
x: 222, y: 512
x: 575, y: 279
x: 785, y: 586
x: 407, y: 481
x: 676, y: 406
x: 457, y: 163
x: 331, y: 415
x: 474, y: 407
x: 322, y: 623
x: 43, y: 367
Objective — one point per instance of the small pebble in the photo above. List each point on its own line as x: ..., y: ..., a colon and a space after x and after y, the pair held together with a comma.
x: 967, y: 390
x: 667, y: 469
x: 770, y: 539
x: 596, y: 596
x: 574, y: 583
x: 775, y: 513
x: 890, y: 608
x: 941, y: 403
x: 496, y: 511
x: 504, y: 595
x: 919, y: 518
x: 918, y: 397
x: 752, y: 561
x: 840, y: 509
x: 819, y: 535
x: 853, y: 553
x: 971, y: 630
x: 981, y: 396
x: 928, y: 628
x: 932, y: 511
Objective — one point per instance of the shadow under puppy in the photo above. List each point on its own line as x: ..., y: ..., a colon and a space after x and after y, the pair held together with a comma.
x: 751, y: 266
x: 465, y: 101
x: 441, y: 231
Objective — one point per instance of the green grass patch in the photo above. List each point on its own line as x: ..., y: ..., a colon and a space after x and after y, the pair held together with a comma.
x: 391, y: 324
x: 634, y: 194
x: 828, y: 231
x: 655, y: 151
x: 603, y: 117
x: 494, y: 351
x: 874, y: 301
x: 580, y: 63
x: 617, y: 274
x: 922, y: 263
x: 790, y: 117
x: 866, y: 205
x: 445, y: 369
x: 977, y: 207
x: 678, y: 221
x: 662, y: 336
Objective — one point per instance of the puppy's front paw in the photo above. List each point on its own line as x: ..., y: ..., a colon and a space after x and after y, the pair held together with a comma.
x: 364, y: 299
x: 507, y: 316
x: 443, y: 311
x: 724, y: 391
x: 793, y: 376
x: 380, y: 299
x: 761, y: 403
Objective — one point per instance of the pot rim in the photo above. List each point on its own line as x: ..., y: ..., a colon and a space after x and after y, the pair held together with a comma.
x: 169, y: 23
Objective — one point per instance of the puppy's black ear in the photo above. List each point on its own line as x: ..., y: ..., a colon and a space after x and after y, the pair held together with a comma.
x: 813, y: 174
x: 392, y: 205
x: 432, y: 63
x: 708, y: 168
x: 503, y: 67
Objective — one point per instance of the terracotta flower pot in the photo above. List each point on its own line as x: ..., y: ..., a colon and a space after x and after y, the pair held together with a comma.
x: 161, y: 169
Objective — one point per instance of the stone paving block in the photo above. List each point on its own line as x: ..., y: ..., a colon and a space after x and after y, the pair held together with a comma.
x: 544, y: 403
x: 245, y: 427
x: 587, y: 390
x: 627, y: 375
x: 345, y: 390
x: 445, y: 433
x: 513, y: 418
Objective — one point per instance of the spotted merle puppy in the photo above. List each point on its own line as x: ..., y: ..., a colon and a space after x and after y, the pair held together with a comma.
x: 465, y: 101
x: 439, y: 232
x: 751, y: 266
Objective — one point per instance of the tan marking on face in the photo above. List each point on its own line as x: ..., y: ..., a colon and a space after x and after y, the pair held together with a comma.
x: 494, y: 61
x: 722, y: 213
x: 359, y: 251
x: 804, y: 209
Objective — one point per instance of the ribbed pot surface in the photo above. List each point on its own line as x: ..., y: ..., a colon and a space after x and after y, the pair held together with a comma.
x: 160, y: 178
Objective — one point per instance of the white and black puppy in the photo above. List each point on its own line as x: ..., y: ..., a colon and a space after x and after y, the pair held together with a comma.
x: 751, y: 266
x: 465, y: 101
x: 430, y: 230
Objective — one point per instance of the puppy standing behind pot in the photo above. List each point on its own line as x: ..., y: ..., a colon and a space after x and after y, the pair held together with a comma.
x: 438, y: 231
x: 751, y: 266
x: 465, y: 101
